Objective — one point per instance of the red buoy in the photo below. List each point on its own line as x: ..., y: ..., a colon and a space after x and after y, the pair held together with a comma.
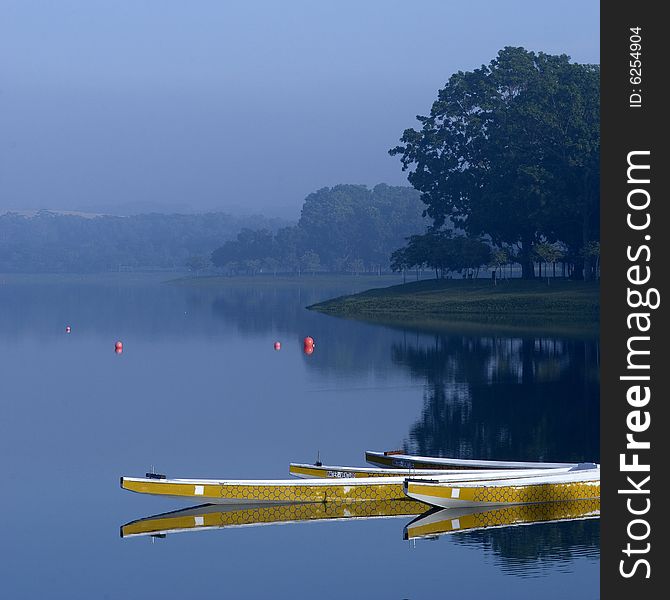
x: 308, y: 348
x: 308, y: 341
x: 118, y: 347
x: 277, y: 345
x: 118, y: 350
x: 68, y: 329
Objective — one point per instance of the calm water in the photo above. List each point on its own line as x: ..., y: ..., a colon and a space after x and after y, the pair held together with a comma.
x: 200, y: 392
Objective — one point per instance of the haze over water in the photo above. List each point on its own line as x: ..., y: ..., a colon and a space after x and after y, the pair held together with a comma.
x: 199, y: 392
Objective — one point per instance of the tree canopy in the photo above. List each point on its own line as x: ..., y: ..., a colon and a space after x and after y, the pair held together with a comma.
x: 511, y: 151
x: 442, y: 251
x: 344, y: 228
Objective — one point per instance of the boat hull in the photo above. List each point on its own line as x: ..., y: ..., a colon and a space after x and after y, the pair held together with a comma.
x: 270, y: 492
x: 307, y: 471
x: 408, y: 461
x: 560, y: 488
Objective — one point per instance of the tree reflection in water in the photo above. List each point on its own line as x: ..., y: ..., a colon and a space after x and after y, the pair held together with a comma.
x: 530, y: 550
x: 523, y: 398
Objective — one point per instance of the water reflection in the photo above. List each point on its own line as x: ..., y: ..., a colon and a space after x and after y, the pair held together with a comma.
x: 537, y: 550
x: 200, y: 391
x: 485, y: 395
x: 514, y: 398
x: 438, y: 522
x: 562, y: 529
x: 220, y: 516
x: 147, y: 304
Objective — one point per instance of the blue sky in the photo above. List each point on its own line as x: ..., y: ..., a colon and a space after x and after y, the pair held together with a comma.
x: 122, y: 105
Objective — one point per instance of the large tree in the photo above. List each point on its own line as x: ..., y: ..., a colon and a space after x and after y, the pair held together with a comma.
x: 510, y: 150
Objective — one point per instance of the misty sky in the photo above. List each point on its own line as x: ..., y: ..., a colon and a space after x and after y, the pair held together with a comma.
x: 129, y: 105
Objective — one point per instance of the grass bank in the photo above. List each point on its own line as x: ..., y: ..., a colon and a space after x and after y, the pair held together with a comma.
x: 510, y: 304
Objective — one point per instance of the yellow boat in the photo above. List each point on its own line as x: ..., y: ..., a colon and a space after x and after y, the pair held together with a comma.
x: 217, y: 516
x: 274, y: 491
x: 396, y: 459
x: 580, y: 483
x: 307, y: 471
x: 278, y: 491
x: 451, y: 520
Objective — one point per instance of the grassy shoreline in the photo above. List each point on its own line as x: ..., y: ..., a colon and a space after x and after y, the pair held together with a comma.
x: 513, y: 304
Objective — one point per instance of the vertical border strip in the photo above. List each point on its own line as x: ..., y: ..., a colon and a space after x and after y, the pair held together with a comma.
x: 633, y: 125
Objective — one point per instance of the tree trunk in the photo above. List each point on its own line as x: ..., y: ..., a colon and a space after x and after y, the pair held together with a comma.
x: 527, y: 269
x: 588, y: 260
x: 526, y: 260
x: 577, y: 271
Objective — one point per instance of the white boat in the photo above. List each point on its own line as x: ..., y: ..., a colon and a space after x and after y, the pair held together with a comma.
x: 398, y: 460
x: 306, y: 471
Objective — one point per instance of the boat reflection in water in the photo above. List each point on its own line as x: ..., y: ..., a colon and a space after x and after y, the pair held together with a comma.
x: 437, y: 522
x: 428, y: 523
x: 220, y: 516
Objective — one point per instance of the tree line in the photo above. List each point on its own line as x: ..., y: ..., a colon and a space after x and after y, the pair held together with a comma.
x: 55, y: 242
x: 346, y: 228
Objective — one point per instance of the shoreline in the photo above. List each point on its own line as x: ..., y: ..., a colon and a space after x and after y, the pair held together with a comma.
x: 562, y: 305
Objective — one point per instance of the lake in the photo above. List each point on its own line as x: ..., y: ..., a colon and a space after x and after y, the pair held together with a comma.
x: 199, y: 391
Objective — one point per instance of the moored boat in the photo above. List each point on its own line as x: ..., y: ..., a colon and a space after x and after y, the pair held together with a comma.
x: 307, y: 471
x: 398, y: 460
x: 283, y: 491
x: 579, y: 483
x: 452, y: 520
x: 274, y: 491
